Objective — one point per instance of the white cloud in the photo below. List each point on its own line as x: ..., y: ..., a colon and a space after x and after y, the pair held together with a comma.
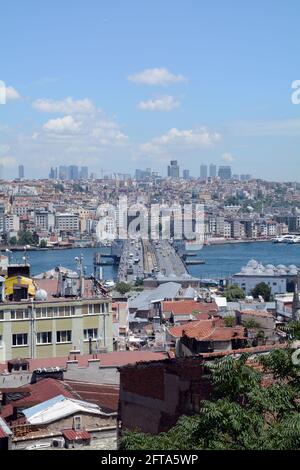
x: 8, y: 162
x: 162, y: 103
x: 64, y: 125
x: 11, y: 94
x: 65, y: 106
x: 227, y: 157
x: 283, y: 127
x: 190, y: 138
x: 4, y: 149
x: 156, y: 76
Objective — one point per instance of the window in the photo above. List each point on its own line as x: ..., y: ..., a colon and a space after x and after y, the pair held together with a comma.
x: 77, y: 423
x: 1, y: 341
x: 64, y: 336
x: 18, y: 314
x: 20, y: 339
x: 44, y: 337
x: 91, y: 309
x: 1, y: 315
x: 90, y: 333
x: 97, y: 308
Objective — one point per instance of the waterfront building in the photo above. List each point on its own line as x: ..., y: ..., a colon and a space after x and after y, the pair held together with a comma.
x: 67, y: 222
x: 44, y: 220
x: 280, y: 279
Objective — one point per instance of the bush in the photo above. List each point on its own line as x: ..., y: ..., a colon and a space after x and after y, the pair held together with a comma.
x: 234, y: 292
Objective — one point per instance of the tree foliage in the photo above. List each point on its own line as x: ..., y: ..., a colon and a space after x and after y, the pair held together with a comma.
x: 262, y: 289
x: 244, y: 413
x: 234, y: 292
x: 123, y: 287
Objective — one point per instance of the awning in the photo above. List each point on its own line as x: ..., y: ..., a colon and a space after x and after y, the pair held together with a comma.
x: 72, y: 435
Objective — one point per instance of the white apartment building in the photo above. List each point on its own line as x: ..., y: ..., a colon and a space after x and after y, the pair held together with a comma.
x: 44, y: 220
x: 11, y: 223
x: 67, y: 222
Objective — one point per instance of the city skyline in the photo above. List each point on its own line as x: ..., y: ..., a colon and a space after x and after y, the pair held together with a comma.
x: 130, y: 109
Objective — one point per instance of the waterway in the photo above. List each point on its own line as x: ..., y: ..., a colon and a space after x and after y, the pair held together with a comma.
x: 220, y: 260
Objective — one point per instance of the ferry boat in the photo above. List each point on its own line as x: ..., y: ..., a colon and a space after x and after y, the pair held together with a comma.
x: 287, y: 239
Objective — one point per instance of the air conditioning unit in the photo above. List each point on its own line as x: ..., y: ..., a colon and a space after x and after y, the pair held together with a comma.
x: 58, y: 443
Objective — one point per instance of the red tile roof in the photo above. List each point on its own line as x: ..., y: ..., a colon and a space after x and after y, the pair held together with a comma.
x: 115, y: 358
x: 42, y: 391
x: 72, y: 435
x: 207, y: 330
x: 251, y: 350
x: 188, y: 307
x: 105, y: 396
x: 257, y: 313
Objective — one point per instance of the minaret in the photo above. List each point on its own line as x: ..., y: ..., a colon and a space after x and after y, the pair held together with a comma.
x: 296, y: 301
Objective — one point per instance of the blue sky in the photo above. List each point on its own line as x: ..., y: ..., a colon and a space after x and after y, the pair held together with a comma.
x: 130, y: 84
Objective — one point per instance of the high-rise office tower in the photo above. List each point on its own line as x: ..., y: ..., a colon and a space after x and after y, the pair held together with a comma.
x: 245, y: 177
x: 212, y: 170
x: 63, y: 172
x: 84, y: 173
x: 21, y: 171
x: 173, y: 169
x: 73, y: 173
x: 53, y: 173
x: 186, y: 174
x: 224, y: 172
x: 203, y: 172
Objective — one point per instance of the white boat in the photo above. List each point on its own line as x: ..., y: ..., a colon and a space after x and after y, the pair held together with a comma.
x: 287, y: 239
x: 109, y: 283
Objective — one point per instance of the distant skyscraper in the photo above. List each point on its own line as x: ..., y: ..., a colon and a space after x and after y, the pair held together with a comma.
x: 203, y: 172
x: 173, y: 169
x: 53, y: 173
x: 224, y: 172
x: 21, y: 171
x: 63, y: 172
x: 212, y: 170
x: 186, y: 174
x: 245, y: 177
x: 73, y: 173
x: 84, y: 173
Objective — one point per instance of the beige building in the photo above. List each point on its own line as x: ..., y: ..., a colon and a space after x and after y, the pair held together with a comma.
x: 48, y: 322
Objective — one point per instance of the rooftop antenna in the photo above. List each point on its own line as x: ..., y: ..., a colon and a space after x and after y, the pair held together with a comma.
x: 9, y: 254
x: 80, y: 267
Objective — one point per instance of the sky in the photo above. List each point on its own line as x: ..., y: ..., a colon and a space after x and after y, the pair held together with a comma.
x: 124, y: 84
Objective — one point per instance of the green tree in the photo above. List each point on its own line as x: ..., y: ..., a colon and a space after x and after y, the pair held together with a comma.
x: 262, y: 289
x: 234, y: 292
x: 13, y: 241
x: 251, y: 324
x: 229, y: 321
x: 123, y: 287
x: 242, y: 414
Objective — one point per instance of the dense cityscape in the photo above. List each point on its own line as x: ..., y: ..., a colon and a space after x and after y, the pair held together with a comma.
x: 149, y: 231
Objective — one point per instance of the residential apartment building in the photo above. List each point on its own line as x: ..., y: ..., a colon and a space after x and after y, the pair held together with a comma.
x: 67, y: 222
x: 39, y: 319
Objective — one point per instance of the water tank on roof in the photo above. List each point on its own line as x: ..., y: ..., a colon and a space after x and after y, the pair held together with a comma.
x: 41, y: 295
